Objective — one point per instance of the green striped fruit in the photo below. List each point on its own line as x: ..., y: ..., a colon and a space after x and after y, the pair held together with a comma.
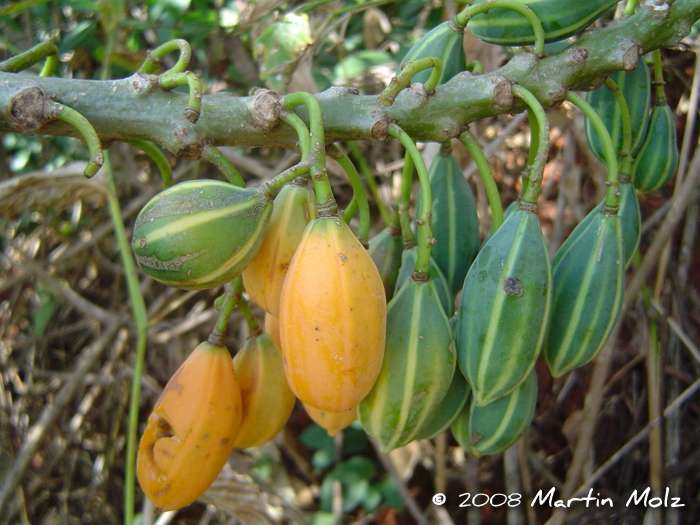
x: 510, y: 209
x: 408, y: 262
x: 560, y: 19
x: 657, y: 160
x: 201, y: 233
x: 636, y: 88
x: 454, y: 220
x: 445, y: 42
x: 631, y: 218
x: 386, y: 249
x: 449, y: 408
x: 495, y: 427
x: 588, y: 282
x: 418, y: 366
x: 505, y: 308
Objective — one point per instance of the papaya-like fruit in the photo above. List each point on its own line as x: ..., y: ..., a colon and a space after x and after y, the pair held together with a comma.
x: 386, y: 248
x: 192, y: 428
x: 445, y: 42
x: 635, y: 86
x: 505, y: 308
x: 200, y: 234
x: 408, y: 263
x: 332, y: 318
x: 588, y: 286
x: 272, y: 328
x: 267, y: 399
x: 496, y: 426
x: 657, y: 160
x: 419, y: 362
x: 263, y: 278
x: 333, y: 422
x: 454, y: 221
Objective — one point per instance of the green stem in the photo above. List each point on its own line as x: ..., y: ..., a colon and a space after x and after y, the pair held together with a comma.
x: 302, y: 132
x: 325, y: 201
x: 152, y: 62
x: 273, y: 186
x: 612, y: 195
x: 253, y: 325
x: 403, y: 80
x: 630, y: 8
x: 213, y: 155
x: 468, y: 12
x: 138, y: 311
x: 359, y: 196
x: 49, y: 66
x: 158, y: 157
x: 475, y: 66
x: 30, y: 57
x: 369, y: 179
x: 171, y: 79
x: 534, y: 145
x: 482, y: 164
x: 233, y: 291
x: 82, y: 124
x: 626, y: 151
x: 403, y: 203
x: 350, y: 211
x: 532, y: 193
x: 659, y: 94
x: 421, y: 271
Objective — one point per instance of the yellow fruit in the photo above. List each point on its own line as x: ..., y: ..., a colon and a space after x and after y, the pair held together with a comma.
x: 263, y: 278
x: 191, y: 430
x: 333, y: 422
x: 267, y: 400
x: 332, y: 318
x: 272, y: 327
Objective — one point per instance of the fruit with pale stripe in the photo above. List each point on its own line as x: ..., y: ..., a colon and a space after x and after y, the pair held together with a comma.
x: 657, y: 160
x: 505, y: 308
x: 191, y: 431
x: 588, y: 286
x: 201, y: 233
x: 267, y: 399
x: 419, y: 362
x: 408, y: 263
x: 495, y: 427
x: 386, y: 248
x: 332, y: 318
x: 263, y: 278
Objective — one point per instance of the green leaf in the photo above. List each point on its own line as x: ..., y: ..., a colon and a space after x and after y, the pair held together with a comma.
x: 391, y: 493
x: 323, y: 518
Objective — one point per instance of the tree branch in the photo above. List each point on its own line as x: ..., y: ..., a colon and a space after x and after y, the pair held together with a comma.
x: 133, y: 108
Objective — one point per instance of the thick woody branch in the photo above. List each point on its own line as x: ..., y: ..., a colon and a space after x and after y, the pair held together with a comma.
x: 134, y: 108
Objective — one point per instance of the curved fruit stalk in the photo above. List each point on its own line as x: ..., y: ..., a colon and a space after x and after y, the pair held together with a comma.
x: 588, y: 283
x: 386, y: 248
x: 408, y: 263
x: 505, y: 308
x: 333, y: 422
x: 560, y: 19
x: 272, y: 328
x: 445, y: 42
x: 419, y: 363
x: 454, y: 220
x: 263, y: 278
x: 635, y: 86
x: 191, y: 430
x: 657, y: 161
x: 201, y: 233
x: 495, y: 427
x: 332, y: 318
x: 267, y: 399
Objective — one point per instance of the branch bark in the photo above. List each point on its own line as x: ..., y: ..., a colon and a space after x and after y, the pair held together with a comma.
x: 132, y: 108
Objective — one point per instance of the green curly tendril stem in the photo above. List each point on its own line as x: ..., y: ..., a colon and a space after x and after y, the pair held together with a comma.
x: 369, y: 179
x: 83, y: 125
x: 157, y: 156
x: 30, y: 57
x: 152, y: 62
x: 233, y: 292
x: 171, y: 79
x: 659, y: 93
x: 273, y: 186
x: 475, y: 66
x: 468, y: 12
x: 218, y: 159
x: 403, y: 80
x: 302, y: 132
x: 482, y: 164
x: 421, y: 270
x: 626, y: 150
x: 534, y: 188
x: 403, y: 203
x: 630, y: 7
x: 612, y: 196
x: 325, y: 201
x: 50, y: 66
x: 359, y: 196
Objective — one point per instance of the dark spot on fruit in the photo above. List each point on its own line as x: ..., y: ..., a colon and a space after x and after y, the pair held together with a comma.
x: 224, y: 441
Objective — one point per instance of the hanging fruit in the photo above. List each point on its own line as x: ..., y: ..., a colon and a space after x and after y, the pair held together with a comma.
x: 408, y: 262
x: 386, y: 248
x: 201, y: 233
x: 657, y: 160
x: 192, y: 428
x: 333, y: 422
